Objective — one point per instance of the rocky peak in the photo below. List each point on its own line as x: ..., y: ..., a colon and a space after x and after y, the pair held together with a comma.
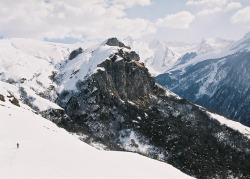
x: 115, y: 42
x: 121, y: 107
x: 127, y: 78
x: 128, y: 41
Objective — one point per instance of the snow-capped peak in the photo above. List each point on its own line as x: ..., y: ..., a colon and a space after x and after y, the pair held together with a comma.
x: 210, y: 44
x: 161, y: 59
x: 156, y: 44
x: 128, y: 41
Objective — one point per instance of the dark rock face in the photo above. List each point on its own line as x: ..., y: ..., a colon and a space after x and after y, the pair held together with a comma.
x: 127, y: 56
x: 124, y: 99
x: 75, y: 53
x: 2, y: 98
x: 116, y: 42
x: 54, y: 115
x: 13, y: 99
x: 228, y: 91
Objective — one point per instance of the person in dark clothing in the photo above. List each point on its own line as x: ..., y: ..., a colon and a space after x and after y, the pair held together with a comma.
x: 17, y: 145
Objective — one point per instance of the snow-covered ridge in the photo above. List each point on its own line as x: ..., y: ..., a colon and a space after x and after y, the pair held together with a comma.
x: 83, y: 65
x: 46, y: 151
x: 232, y: 124
x: 31, y: 62
x: 31, y: 67
x: 28, y: 68
x: 215, y: 48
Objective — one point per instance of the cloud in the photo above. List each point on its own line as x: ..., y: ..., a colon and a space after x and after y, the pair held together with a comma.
x: 180, y: 20
x: 131, y: 3
x: 210, y: 11
x: 214, y: 6
x: 54, y: 19
x: 233, y: 5
x: 242, y: 15
x: 210, y: 3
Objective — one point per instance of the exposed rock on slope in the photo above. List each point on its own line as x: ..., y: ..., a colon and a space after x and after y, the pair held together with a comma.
x: 74, y: 53
x: 122, y: 107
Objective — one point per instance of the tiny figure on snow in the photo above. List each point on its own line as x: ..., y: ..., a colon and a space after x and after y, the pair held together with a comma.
x: 17, y: 145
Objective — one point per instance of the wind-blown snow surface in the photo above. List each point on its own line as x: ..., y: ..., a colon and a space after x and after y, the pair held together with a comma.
x: 47, y: 151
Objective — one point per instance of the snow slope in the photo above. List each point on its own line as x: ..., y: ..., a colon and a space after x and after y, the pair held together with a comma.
x: 83, y: 65
x: 47, y: 151
x: 31, y: 64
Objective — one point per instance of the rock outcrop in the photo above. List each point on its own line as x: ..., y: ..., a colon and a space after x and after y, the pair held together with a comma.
x: 115, y: 42
x: 75, y: 53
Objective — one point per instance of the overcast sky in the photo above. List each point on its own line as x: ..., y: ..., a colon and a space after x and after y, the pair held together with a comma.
x: 95, y: 20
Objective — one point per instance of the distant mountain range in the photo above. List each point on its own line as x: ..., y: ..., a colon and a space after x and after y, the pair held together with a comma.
x: 216, y: 76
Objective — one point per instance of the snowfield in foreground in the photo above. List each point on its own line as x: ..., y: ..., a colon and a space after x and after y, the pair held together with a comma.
x: 47, y: 151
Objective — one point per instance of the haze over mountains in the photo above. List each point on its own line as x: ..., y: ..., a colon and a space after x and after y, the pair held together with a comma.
x: 106, y: 95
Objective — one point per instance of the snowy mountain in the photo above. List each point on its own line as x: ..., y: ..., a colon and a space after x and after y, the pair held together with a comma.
x: 181, y: 48
x: 163, y: 57
x: 108, y: 99
x: 218, y: 80
x: 208, y: 45
x: 47, y: 151
x: 159, y: 56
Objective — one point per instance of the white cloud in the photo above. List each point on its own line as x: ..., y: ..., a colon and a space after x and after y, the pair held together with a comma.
x: 180, y: 20
x: 130, y: 3
x: 233, y: 5
x: 210, y: 3
x: 95, y: 19
x: 210, y: 11
x: 242, y: 15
